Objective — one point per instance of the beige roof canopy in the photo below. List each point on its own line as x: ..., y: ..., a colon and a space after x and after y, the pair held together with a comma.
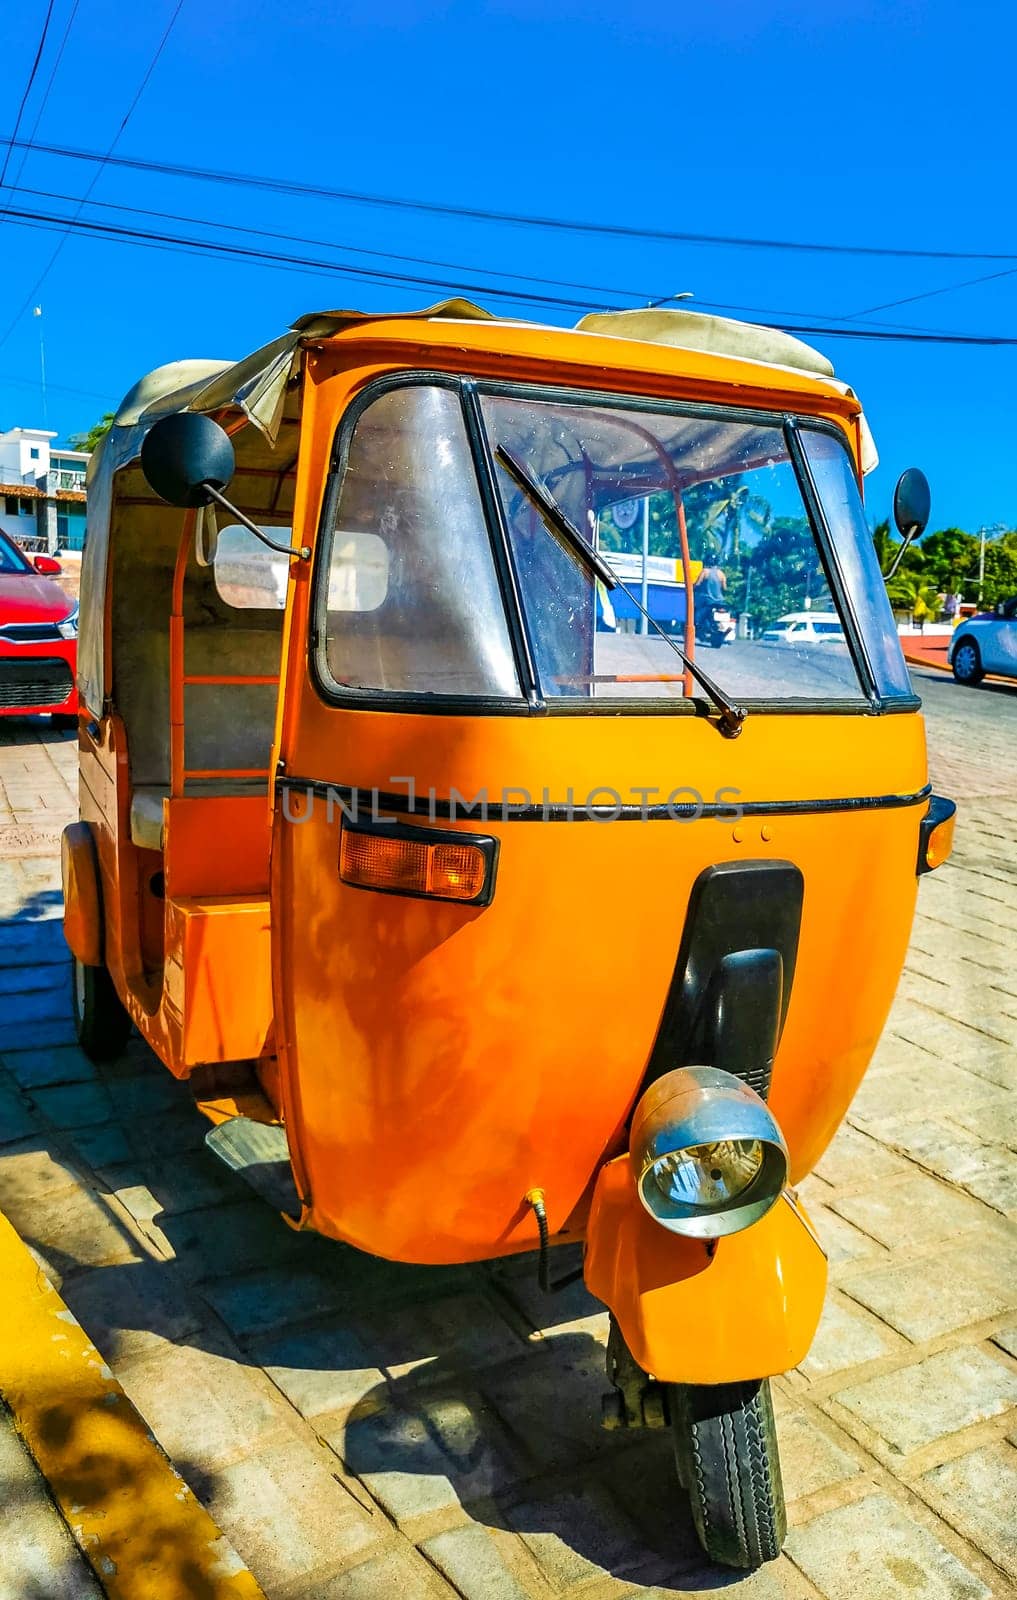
x: 258, y: 387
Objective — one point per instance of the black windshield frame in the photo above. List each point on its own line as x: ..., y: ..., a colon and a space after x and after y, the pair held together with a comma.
x: 470, y: 389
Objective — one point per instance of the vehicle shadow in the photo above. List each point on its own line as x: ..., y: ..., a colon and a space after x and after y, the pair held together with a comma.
x: 437, y: 1387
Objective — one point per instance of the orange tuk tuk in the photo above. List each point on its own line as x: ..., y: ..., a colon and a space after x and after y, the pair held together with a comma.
x: 480, y: 913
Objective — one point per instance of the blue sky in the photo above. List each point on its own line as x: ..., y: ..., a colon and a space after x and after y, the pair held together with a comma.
x: 861, y: 122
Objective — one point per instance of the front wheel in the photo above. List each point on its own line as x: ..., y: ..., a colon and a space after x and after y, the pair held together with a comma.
x: 725, y: 1444
x: 967, y: 662
x: 100, y: 1021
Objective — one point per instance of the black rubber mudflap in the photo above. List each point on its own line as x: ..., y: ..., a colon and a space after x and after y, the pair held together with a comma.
x: 258, y: 1152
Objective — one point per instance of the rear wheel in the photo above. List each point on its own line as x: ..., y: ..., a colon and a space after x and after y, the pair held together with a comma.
x: 967, y: 662
x: 726, y: 1451
x: 100, y: 1021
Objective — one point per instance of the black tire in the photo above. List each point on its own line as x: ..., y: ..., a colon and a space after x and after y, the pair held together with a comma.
x: 100, y: 1021
x: 967, y: 661
x: 726, y: 1452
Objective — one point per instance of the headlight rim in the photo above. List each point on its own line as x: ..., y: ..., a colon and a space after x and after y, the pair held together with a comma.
x: 695, y: 1106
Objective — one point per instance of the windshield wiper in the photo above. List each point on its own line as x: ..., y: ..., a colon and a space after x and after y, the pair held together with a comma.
x: 557, y: 521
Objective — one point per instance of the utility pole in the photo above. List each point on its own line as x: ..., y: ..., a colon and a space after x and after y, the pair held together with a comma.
x: 37, y: 312
x: 644, y: 587
x: 995, y: 527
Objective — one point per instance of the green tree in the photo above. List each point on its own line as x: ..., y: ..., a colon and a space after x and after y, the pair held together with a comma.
x: 89, y: 440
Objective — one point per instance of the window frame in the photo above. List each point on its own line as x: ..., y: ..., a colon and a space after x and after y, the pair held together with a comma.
x: 469, y: 389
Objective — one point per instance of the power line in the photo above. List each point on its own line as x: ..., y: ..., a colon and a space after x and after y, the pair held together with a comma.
x: 217, y: 249
x: 103, y: 160
x: 15, y: 181
x: 929, y: 294
x: 12, y: 141
x: 639, y: 295
x: 614, y: 230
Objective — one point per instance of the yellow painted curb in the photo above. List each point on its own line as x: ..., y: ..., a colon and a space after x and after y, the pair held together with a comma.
x: 136, y: 1520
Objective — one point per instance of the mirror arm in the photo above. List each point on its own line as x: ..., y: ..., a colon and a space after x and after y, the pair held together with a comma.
x: 303, y: 554
x: 906, y: 543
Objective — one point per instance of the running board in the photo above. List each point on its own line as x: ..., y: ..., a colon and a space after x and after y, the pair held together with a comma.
x: 259, y: 1153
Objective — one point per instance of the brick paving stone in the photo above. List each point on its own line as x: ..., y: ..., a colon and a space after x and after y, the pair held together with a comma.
x: 1006, y: 1338
x: 286, y: 1514
x: 36, y: 1069
x: 203, y: 1407
x: 44, y: 975
x: 323, y: 1369
x: 810, y: 1458
x: 451, y: 1449
x: 965, y: 1160
x: 38, y: 1557
x: 872, y: 1550
x: 847, y: 1337
x: 29, y: 1173
x: 977, y: 1494
x: 855, y: 1159
x: 256, y: 1302
x: 841, y: 1241
x: 36, y: 1035
x: 576, y: 1535
x: 398, y: 1572
x: 927, y: 1401
x: 458, y: 1332
x: 931, y: 1297
x: 17, y: 1119
x: 133, y: 1310
x: 74, y: 1105
x: 219, y: 1241
x: 551, y: 1400
x: 72, y: 1229
x: 917, y: 1211
x: 471, y: 1560
x: 906, y: 1093
x: 98, y: 1147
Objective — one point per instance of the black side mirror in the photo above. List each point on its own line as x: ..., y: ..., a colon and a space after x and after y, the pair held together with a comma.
x: 186, y: 455
x: 912, y: 502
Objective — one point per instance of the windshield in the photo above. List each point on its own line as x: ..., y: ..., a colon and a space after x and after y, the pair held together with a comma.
x: 700, y: 515
x: 704, y: 529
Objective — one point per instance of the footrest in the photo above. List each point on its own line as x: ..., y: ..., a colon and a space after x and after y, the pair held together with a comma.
x: 259, y: 1153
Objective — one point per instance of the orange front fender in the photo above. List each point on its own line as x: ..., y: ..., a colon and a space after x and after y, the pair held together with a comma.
x: 748, y: 1311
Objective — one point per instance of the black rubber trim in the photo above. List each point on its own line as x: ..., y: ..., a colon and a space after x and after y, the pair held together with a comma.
x: 940, y: 810
x: 729, y: 992
x: 356, y: 801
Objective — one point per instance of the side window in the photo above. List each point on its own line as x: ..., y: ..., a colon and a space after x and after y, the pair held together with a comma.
x: 248, y: 575
x: 408, y: 594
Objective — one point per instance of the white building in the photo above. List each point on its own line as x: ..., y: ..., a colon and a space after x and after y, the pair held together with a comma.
x: 42, y: 491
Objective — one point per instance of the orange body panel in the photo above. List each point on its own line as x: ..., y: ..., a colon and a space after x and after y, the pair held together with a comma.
x: 217, y: 988
x: 496, y: 1050
x: 756, y: 1298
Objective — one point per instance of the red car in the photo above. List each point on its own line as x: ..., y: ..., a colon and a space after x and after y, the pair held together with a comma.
x: 38, y: 637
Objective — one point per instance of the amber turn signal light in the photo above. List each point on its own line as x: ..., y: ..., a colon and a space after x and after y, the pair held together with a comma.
x: 425, y: 863
x: 935, y: 838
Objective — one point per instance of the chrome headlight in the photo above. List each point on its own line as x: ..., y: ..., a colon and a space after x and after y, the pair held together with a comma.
x: 68, y: 629
x: 707, y: 1156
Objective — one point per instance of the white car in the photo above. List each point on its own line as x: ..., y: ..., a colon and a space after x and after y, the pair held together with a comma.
x: 985, y: 644
x: 805, y: 627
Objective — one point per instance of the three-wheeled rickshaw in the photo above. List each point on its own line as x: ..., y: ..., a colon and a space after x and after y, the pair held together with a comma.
x: 481, y: 914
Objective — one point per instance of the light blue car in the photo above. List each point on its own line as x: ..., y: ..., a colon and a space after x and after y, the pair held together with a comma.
x: 986, y: 643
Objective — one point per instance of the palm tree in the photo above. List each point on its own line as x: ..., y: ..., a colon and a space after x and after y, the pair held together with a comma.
x: 724, y: 518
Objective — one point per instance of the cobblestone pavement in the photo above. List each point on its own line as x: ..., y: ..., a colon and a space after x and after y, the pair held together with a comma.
x: 361, y: 1430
